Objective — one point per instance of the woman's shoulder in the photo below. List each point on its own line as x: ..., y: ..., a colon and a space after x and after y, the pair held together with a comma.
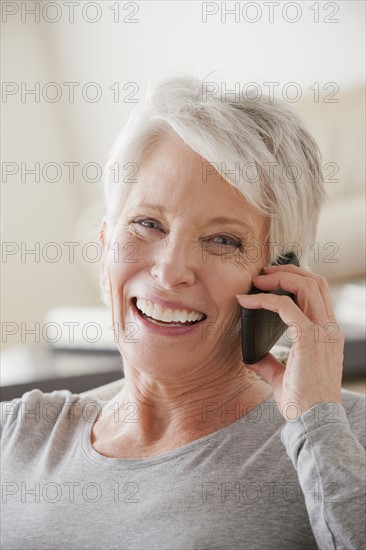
x: 39, y: 413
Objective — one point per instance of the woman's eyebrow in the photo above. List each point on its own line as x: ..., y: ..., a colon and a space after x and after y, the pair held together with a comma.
x: 151, y: 205
x: 225, y: 221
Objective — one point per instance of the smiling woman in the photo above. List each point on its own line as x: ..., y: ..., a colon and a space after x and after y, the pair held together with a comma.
x: 198, y: 444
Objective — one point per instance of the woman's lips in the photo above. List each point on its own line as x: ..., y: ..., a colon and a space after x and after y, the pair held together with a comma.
x: 166, y: 329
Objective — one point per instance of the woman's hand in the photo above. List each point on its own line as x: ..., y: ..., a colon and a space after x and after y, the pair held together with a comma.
x: 313, y: 373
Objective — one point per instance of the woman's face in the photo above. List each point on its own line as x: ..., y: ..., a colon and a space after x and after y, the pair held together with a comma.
x: 168, y: 247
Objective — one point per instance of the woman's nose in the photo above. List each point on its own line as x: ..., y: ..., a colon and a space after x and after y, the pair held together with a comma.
x: 174, y: 264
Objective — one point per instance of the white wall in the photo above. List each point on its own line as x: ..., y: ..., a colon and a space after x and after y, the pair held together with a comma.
x: 169, y: 37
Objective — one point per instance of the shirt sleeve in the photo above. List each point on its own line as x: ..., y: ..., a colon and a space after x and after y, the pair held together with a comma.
x: 330, y: 462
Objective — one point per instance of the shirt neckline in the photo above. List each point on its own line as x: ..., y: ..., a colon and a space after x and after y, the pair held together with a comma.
x: 132, y: 463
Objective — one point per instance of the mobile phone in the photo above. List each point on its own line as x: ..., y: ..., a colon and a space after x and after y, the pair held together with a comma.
x: 261, y: 328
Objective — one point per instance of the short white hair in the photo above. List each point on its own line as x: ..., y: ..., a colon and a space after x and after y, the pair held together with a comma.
x: 258, y: 144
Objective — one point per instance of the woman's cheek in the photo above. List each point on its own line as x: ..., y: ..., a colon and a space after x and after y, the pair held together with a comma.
x: 125, y: 257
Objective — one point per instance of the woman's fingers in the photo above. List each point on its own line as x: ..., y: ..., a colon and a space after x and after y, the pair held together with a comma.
x: 308, y: 296
x: 283, y: 305
x: 321, y: 281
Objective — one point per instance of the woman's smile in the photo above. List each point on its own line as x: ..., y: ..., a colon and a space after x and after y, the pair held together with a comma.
x: 163, y: 328
x: 166, y: 314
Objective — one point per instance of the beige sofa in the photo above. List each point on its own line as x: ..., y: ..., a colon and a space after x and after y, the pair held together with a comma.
x: 339, y: 129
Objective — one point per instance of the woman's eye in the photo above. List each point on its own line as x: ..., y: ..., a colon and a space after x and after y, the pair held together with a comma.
x: 229, y: 241
x: 143, y: 222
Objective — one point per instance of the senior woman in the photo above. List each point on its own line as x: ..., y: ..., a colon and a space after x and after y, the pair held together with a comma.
x: 198, y: 450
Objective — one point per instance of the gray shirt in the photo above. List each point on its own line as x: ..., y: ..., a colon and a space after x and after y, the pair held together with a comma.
x: 259, y: 483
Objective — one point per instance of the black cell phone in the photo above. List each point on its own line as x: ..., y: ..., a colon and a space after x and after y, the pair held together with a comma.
x: 261, y: 328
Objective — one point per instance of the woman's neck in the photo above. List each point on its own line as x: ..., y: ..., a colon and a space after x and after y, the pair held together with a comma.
x: 140, y: 421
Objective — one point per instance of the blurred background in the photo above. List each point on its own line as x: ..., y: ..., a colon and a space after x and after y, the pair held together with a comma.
x: 71, y: 74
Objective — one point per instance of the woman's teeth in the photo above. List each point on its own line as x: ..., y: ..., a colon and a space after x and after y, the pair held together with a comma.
x: 156, y: 313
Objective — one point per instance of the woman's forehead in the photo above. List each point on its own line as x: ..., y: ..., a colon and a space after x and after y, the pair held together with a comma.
x: 167, y: 175
x: 179, y: 195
